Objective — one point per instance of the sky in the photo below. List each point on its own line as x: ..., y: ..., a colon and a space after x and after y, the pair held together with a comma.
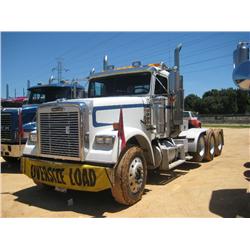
x: 206, y: 57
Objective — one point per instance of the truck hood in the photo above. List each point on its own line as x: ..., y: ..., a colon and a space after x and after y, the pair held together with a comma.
x: 120, y: 100
x: 107, y: 101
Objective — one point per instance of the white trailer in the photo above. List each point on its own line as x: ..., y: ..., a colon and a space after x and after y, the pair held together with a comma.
x: 132, y: 121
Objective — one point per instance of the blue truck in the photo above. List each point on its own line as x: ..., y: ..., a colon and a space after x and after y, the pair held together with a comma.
x: 17, y: 123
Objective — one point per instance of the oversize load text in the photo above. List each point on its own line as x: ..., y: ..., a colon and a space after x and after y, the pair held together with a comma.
x: 77, y: 176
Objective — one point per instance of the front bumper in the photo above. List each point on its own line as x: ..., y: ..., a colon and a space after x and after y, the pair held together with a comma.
x: 75, y: 176
x: 10, y: 150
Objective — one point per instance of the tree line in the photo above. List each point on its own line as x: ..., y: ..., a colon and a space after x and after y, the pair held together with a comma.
x: 224, y: 101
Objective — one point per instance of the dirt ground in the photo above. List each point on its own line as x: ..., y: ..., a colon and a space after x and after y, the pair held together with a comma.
x: 220, y: 188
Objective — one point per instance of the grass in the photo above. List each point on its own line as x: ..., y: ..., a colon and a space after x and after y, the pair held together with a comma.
x: 225, y: 125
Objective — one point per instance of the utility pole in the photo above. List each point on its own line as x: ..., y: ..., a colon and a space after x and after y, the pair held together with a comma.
x: 7, y: 91
x: 15, y: 93
x: 28, y: 86
x: 60, y: 68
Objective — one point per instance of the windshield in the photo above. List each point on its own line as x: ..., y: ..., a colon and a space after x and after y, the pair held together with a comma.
x: 120, y: 85
x: 48, y: 94
x: 185, y: 114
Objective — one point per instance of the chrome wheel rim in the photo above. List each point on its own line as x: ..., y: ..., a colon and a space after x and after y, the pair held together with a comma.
x: 219, y: 142
x: 136, y: 175
x: 201, y: 146
x: 212, y: 145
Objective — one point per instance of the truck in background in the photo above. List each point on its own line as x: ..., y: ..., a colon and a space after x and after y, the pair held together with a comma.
x: 17, y: 123
x: 192, y: 118
x: 13, y: 102
x: 131, y: 122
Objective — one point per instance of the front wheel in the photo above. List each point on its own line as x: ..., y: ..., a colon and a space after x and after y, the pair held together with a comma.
x: 130, y: 177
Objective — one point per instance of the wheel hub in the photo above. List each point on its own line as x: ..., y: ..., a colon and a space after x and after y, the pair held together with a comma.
x: 136, y: 175
x: 201, y: 147
x: 219, y: 142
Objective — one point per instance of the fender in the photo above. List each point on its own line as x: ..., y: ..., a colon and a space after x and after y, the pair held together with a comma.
x: 192, y: 136
x: 143, y: 141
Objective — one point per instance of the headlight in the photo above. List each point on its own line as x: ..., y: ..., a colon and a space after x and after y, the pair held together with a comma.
x: 105, y: 139
x: 33, y: 137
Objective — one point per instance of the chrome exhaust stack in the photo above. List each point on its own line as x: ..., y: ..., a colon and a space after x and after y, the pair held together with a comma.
x: 177, y: 56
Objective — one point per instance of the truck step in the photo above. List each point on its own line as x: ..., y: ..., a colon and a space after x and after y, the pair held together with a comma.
x: 188, y: 157
x: 176, y: 163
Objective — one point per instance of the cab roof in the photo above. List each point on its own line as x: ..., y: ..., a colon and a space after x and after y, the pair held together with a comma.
x: 57, y: 85
x: 130, y: 69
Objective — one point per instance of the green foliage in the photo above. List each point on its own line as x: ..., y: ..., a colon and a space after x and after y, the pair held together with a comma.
x: 224, y: 101
x: 192, y: 102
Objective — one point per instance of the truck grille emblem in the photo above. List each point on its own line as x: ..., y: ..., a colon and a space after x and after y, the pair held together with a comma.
x: 57, y: 109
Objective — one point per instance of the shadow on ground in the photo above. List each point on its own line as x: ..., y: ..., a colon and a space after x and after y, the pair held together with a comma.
x: 92, y: 204
x: 10, y: 167
x: 230, y: 203
x: 163, y: 178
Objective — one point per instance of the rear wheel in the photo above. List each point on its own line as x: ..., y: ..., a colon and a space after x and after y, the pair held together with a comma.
x: 200, y: 151
x: 130, y: 177
x: 218, y: 141
x: 209, y: 145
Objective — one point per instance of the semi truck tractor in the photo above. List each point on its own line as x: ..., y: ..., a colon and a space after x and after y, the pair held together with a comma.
x: 241, y: 72
x: 16, y: 123
x: 131, y: 122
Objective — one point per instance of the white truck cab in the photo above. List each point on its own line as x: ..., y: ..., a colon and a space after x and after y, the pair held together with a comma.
x: 131, y: 121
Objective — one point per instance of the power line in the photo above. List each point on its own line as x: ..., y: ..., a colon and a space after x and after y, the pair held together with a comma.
x: 98, y: 45
x: 174, y: 41
x: 206, y: 60
x: 193, y: 41
x: 207, y: 69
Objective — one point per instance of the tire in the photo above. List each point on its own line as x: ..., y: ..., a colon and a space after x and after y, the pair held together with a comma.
x: 198, y: 156
x: 130, y: 177
x: 219, y: 141
x: 11, y: 159
x: 209, y: 145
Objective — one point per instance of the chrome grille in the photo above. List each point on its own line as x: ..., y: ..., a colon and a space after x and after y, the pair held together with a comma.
x: 6, y: 126
x: 59, y: 134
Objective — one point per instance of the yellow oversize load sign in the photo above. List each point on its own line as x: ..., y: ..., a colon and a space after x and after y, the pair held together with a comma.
x: 67, y: 175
